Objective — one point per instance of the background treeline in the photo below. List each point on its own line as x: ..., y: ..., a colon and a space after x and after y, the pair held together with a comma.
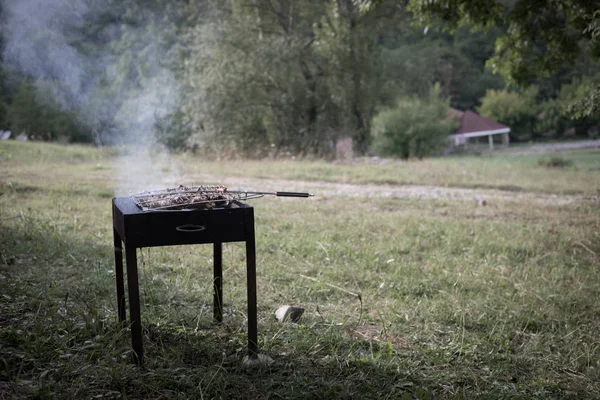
x: 267, y: 77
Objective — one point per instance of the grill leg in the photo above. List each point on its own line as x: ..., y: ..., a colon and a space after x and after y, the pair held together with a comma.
x: 119, y: 276
x: 251, y: 285
x: 134, y: 305
x: 218, y: 282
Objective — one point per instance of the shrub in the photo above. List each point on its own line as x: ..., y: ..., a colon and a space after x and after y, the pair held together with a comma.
x: 549, y: 120
x: 414, y: 128
x: 555, y: 162
x: 576, y: 98
x: 573, y: 102
x: 517, y: 110
x: 35, y: 112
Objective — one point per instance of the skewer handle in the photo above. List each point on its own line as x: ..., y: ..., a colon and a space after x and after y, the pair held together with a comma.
x: 292, y: 194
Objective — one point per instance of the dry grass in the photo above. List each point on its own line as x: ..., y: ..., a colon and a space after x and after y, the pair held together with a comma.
x: 456, y: 300
x: 492, y: 171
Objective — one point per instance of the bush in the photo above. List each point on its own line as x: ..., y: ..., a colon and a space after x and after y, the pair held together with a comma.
x: 573, y: 102
x: 576, y: 99
x: 172, y: 131
x: 549, y: 121
x: 34, y: 112
x: 529, y: 118
x: 414, y: 128
x: 517, y: 110
x: 555, y: 162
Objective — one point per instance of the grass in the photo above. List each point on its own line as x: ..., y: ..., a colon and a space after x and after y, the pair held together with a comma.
x: 555, y: 162
x: 522, y: 173
x: 414, y: 298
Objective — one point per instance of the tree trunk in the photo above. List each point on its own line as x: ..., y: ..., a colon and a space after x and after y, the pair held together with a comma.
x: 361, y: 134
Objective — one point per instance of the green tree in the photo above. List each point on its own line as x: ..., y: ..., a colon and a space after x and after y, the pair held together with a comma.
x: 3, y: 99
x: 518, y: 110
x: 578, y: 89
x: 550, y: 120
x: 264, y: 73
x: 412, y: 59
x: 540, y: 37
x: 415, y: 127
x: 248, y: 80
x: 577, y: 113
x: 531, y: 117
x: 24, y: 113
x: 348, y: 42
x: 34, y: 112
x: 147, y: 51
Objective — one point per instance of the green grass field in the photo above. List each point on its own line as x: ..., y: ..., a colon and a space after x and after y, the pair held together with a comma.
x: 404, y: 298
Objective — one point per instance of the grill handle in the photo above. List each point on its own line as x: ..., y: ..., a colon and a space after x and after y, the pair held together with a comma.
x: 190, y: 228
x: 292, y: 194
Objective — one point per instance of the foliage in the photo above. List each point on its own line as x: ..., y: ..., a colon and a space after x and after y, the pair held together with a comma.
x: 414, y: 59
x: 264, y: 77
x: 4, y: 96
x: 25, y: 111
x: 579, y: 92
x: 588, y: 106
x: 555, y: 162
x: 518, y: 110
x: 550, y: 121
x: 569, y: 102
x: 256, y: 79
x: 34, y: 112
x: 414, y: 127
x: 529, y: 117
x: 140, y: 96
x: 540, y: 37
x: 172, y: 132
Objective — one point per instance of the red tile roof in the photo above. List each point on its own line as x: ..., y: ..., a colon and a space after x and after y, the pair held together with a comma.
x: 470, y: 122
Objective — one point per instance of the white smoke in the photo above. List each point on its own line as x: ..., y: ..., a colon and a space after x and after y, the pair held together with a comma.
x: 35, y: 41
x: 47, y: 40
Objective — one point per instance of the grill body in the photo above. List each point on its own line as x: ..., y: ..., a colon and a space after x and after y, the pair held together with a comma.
x: 175, y: 227
x: 137, y: 228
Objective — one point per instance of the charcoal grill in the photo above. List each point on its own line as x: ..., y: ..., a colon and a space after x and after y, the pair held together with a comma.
x: 180, y: 216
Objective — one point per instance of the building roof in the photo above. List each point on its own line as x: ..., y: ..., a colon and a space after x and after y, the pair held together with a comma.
x: 472, y: 124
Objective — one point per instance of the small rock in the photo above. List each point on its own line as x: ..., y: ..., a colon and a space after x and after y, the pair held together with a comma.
x: 482, y: 202
x: 258, y: 361
x: 284, y: 313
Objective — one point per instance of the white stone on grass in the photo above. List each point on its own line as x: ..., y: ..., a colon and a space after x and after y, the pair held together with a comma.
x: 258, y: 361
x: 291, y: 313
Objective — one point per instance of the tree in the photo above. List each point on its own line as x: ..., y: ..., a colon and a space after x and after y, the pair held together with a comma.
x: 518, y: 110
x: 347, y: 39
x: 25, y: 113
x: 249, y: 80
x: 265, y: 72
x: 582, y: 116
x: 415, y: 127
x: 143, y: 87
x: 3, y: 99
x: 412, y: 59
x: 541, y: 35
x: 35, y: 112
x: 255, y: 76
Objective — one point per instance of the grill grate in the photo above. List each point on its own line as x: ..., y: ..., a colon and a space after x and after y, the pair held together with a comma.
x: 199, y: 197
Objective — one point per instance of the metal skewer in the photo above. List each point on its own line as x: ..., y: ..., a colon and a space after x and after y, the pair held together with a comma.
x: 277, y: 194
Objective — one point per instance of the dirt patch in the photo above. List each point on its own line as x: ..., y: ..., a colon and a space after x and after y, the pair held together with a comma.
x: 373, y: 333
x: 328, y: 189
